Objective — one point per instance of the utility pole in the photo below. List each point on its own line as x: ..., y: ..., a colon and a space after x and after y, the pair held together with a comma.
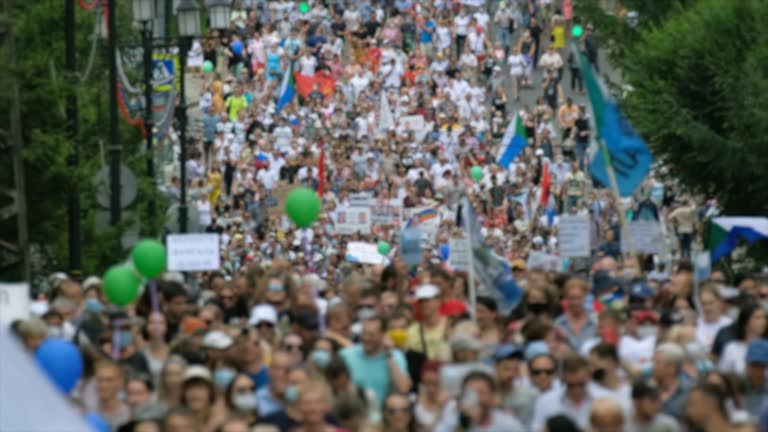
x: 114, y: 145
x: 146, y: 36
x: 73, y: 160
x: 17, y: 147
x: 182, y: 115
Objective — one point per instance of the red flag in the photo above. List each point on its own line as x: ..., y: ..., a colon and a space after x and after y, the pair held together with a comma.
x: 321, y: 172
x: 306, y: 83
x: 545, y: 182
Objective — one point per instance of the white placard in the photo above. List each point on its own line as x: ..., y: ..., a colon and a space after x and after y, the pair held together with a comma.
x: 14, y: 302
x: 365, y: 253
x: 542, y: 261
x: 386, y: 214
x: 646, y: 237
x: 459, y: 256
x: 427, y: 219
x: 574, y: 236
x: 193, y: 252
x: 352, y: 220
x: 474, y: 3
x: 361, y: 199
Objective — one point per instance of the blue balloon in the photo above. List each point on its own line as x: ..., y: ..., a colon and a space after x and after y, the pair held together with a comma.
x: 62, y: 362
x: 97, y: 422
x: 445, y: 251
x: 507, y: 293
x: 236, y: 47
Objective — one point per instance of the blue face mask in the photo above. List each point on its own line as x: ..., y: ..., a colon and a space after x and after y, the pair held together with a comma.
x: 223, y: 377
x: 123, y: 338
x: 245, y: 402
x: 93, y: 305
x: 291, y: 393
x: 321, y: 358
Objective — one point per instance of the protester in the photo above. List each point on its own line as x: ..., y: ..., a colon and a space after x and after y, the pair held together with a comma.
x: 441, y: 285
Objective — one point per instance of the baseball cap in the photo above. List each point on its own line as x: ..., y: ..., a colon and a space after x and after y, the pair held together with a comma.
x: 427, y: 291
x: 536, y: 349
x: 262, y: 313
x: 518, y: 264
x: 507, y: 351
x: 217, y: 339
x: 197, y: 372
x: 641, y: 290
x: 757, y: 351
x: 464, y: 342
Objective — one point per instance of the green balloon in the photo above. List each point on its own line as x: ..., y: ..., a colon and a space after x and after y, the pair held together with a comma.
x: 303, y: 206
x: 303, y: 7
x: 149, y: 258
x: 384, y: 247
x: 121, y: 285
x: 577, y: 31
x: 476, y: 172
x: 207, y: 66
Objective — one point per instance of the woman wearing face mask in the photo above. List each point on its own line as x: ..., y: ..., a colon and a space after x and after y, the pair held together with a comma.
x: 751, y: 324
x: 117, y: 342
x: 240, y: 397
x: 539, y: 303
x: 156, y: 349
x: 320, y: 356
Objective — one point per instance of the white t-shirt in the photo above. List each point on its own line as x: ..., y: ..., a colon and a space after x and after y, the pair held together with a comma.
x: 706, y: 332
x: 551, y: 61
x: 462, y: 23
x: 734, y: 358
x: 516, y: 64
x: 307, y: 65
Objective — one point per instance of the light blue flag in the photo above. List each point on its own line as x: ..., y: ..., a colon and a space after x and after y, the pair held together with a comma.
x: 493, y: 272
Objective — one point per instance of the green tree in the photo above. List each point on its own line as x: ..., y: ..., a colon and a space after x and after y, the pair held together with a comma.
x: 40, y: 47
x: 699, y: 82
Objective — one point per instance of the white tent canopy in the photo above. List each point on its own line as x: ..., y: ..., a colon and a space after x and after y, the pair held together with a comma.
x: 29, y: 402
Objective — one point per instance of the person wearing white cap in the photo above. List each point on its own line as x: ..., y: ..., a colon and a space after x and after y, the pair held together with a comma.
x: 429, y: 335
x: 264, y: 318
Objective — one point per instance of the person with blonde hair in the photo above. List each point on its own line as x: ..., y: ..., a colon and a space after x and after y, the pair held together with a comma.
x: 606, y: 416
x: 314, y: 402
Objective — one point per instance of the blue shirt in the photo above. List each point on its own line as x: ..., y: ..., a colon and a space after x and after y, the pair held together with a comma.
x: 260, y: 378
x: 209, y: 126
x: 372, y: 372
x: 426, y: 37
x: 267, y: 404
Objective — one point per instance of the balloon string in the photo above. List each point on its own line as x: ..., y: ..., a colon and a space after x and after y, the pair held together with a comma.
x: 155, y: 307
x: 115, y: 346
x: 311, y: 269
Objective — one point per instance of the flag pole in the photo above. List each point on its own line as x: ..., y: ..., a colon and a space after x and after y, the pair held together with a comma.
x: 472, y: 285
x: 609, y: 168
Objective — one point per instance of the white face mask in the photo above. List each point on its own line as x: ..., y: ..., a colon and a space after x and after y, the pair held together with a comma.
x: 647, y: 330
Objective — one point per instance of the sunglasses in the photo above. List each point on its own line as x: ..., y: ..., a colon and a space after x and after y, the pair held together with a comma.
x: 575, y: 384
x: 293, y: 347
x: 537, y: 372
x: 395, y: 410
x: 265, y: 324
x: 245, y: 390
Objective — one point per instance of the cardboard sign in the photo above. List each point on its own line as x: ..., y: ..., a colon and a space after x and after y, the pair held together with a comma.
x: 386, y: 214
x: 427, y: 219
x: 361, y: 199
x: 459, y: 257
x: 574, y: 236
x: 645, y: 237
x: 193, y: 252
x: 542, y: 261
x: 365, y: 253
x: 14, y: 302
x: 352, y: 220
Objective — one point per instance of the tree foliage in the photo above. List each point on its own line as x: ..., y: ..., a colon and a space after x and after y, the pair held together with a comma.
x: 698, y: 70
x: 700, y: 81
x: 44, y: 86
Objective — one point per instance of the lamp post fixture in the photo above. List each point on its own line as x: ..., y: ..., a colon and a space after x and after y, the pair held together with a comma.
x: 219, y: 13
x: 144, y: 13
x: 189, y: 27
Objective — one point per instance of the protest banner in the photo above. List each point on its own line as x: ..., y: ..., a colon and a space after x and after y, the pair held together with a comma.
x: 645, y: 234
x: 352, y: 220
x: 574, y: 236
x: 365, y: 253
x: 459, y: 256
x: 542, y: 261
x: 427, y: 219
x: 386, y: 214
x: 14, y: 302
x: 193, y: 252
x: 361, y: 199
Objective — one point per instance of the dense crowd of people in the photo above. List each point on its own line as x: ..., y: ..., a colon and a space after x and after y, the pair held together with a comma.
x: 400, y: 100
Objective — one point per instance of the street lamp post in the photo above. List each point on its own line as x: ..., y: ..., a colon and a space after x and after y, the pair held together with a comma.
x: 189, y: 27
x: 115, y: 149
x: 144, y: 12
x: 73, y: 203
x: 219, y: 13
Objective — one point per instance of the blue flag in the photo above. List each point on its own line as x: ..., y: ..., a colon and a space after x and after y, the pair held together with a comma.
x: 493, y: 272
